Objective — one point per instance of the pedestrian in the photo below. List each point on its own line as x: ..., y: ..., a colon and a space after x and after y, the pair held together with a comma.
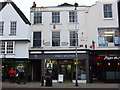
x: 21, y: 77
x: 12, y: 75
x: 42, y: 80
x: 16, y: 75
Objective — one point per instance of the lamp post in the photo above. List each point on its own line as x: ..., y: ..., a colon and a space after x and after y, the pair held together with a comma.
x: 76, y: 56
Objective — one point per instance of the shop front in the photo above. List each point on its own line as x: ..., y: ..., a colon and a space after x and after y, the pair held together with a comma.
x: 105, y: 67
x: 16, y: 64
x: 62, y: 63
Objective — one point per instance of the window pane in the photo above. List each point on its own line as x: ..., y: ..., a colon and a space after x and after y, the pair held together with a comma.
x: 37, y: 18
x: 36, y: 39
x: 72, y: 16
x: 2, y: 47
x: 56, y: 38
x: 73, y: 38
x: 107, y: 10
x: 55, y: 17
x: 108, y: 37
x: 13, y: 28
x: 1, y: 28
x: 9, y: 47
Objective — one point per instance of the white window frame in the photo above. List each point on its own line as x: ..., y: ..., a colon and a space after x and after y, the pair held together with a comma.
x: 39, y: 39
x: 55, y: 17
x: 104, y: 35
x: 1, y: 27
x: 56, y: 38
x: 73, y: 18
x: 108, y: 12
x: 76, y: 32
x: 13, y: 27
x: 37, y: 18
x: 7, y: 49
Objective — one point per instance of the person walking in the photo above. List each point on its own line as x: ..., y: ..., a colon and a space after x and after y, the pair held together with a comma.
x: 12, y: 75
x: 21, y: 77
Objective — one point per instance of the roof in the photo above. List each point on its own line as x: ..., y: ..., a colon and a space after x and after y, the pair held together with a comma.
x: 20, y: 13
x: 66, y: 4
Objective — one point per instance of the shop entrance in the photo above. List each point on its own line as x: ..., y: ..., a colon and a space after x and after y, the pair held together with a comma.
x: 104, y: 70
x: 65, y: 68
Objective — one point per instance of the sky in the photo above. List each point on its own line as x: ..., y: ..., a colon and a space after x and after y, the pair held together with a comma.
x: 25, y: 5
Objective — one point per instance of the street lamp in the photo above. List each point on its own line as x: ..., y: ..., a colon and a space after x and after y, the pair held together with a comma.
x: 76, y: 56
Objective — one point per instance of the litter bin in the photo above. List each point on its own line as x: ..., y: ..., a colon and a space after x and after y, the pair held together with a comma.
x: 48, y: 81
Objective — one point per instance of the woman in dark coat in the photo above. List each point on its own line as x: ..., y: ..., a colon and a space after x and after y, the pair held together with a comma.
x: 21, y: 77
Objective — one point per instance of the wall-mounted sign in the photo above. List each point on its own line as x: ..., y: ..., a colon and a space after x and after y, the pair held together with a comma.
x: 65, y: 56
x: 111, y: 57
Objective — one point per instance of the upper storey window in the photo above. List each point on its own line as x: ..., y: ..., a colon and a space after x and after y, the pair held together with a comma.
x: 108, y: 37
x: 13, y: 27
x: 37, y: 18
x: 55, y: 17
x: 1, y: 28
x: 72, y: 17
x: 107, y: 10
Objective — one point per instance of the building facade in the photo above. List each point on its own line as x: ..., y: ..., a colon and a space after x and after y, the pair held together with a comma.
x: 55, y: 32
x: 14, y: 38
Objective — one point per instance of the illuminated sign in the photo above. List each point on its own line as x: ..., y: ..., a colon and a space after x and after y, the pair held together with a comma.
x: 49, y: 65
x: 111, y: 57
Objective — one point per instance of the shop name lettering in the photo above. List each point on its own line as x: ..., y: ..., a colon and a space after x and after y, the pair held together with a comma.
x: 112, y: 58
x: 64, y: 55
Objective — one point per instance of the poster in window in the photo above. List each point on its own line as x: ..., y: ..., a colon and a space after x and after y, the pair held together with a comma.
x: 101, y: 38
x: 117, y: 37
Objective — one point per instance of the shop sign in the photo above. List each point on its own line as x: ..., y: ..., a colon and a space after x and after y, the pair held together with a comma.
x: 49, y: 65
x: 111, y: 57
x: 60, y: 78
x: 61, y: 56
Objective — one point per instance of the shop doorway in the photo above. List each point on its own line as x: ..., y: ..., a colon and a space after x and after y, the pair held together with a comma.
x: 65, y: 68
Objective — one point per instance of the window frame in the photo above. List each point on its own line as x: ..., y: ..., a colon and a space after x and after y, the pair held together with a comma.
x: 13, y: 27
x: 107, y: 37
x: 1, y: 27
x: 37, y: 39
x: 55, y: 17
x: 37, y: 18
x: 8, y: 47
x: 56, y: 38
x: 73, y: 17
x: 73, y: 38
x: 107, y: 11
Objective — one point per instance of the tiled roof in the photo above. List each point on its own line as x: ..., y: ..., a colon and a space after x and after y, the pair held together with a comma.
x: 20, y: 13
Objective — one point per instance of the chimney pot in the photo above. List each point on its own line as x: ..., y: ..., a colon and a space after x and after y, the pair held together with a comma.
x: 34, y: 4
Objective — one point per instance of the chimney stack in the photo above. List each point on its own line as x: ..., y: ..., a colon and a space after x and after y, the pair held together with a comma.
x: 34, y: 4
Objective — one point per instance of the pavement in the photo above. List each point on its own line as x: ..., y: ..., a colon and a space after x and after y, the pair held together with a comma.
x: 61, y: 85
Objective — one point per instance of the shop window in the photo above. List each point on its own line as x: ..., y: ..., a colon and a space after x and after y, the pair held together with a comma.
x: 108, y: 37
x: 81, y: 70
